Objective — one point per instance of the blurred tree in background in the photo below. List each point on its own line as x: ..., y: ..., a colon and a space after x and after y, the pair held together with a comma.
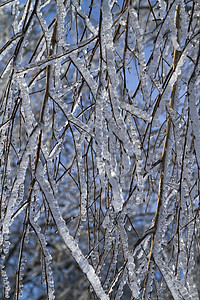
x: 99, y: 149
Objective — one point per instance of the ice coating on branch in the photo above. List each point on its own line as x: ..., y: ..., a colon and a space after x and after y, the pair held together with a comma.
x: 136, y: 111
x: 106, y: 159
x: 67, y: 238
x: 49, y: 169
x: 72, y: 119
x: 177, y: 73
x: 99, y: 132
x: 162, y: 6
x: 4, y: 126
x: 56, y: 150
x: 57, y: 72
x: 51, y: 60
x: 188, y: 266
x: 47, y: 257
x: 44, y: 25
x: 108, y: 52
x: 61, y: 14
x: 29, y: 117
x: 5, y: 282
x: 86, y: 74
x: 19, y: 20
x: 89, y: 25
x: 141, y: 54
x: 11, y: 201
x: 108, y: 46
x: 109, y: 278
x: 195, y: 119
x: 5, y: 53
x: 163, y: 33
x: 120, y: 132
x: 139, y: 159
x: 130, y: 262
x: 118, y: 199
x: 173, y: 28
x: 150, y: 282
x: 184, y: 21
x: 82, y: 176
x: 177, y: 289
x: 101, y: 151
